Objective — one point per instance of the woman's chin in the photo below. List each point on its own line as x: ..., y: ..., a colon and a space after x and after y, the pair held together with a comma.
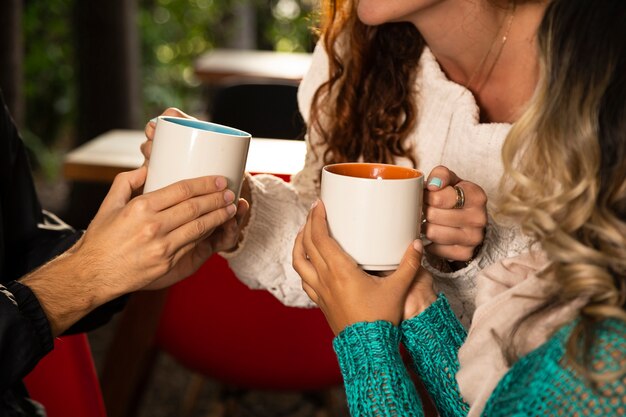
x: 368, y: 14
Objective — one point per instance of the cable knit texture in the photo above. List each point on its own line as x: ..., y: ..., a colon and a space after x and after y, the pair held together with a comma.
x: 433, y: 339
x: 448, y: 133
x: 377, y: 383
x: 542, y: 383
x: 545, y: 384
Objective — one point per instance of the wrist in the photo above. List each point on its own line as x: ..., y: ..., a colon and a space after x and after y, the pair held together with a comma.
x: 420, y: 306
x: 366, y: 345
x: 65, y: 291
x: 450, y: 265
x: 458, y: 265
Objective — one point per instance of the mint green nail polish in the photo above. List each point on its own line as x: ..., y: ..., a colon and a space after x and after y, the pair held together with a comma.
x: 435, y: 181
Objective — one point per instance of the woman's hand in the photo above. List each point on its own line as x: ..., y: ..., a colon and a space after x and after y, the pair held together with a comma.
x: 420, y: 295
x: 146, y: 147
x: 455, y: 231
x: 345, y: 293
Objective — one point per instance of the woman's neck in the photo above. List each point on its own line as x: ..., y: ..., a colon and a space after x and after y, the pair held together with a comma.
x: 461, y: 34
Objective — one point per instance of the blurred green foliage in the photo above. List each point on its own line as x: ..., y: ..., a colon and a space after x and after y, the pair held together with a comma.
x: 173, y: 33
x: 49, y: 89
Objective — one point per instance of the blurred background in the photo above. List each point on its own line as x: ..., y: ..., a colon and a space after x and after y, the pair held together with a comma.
x: 71, y: 70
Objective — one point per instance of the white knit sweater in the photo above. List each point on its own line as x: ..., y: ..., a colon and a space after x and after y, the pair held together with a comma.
x: 448, y: 133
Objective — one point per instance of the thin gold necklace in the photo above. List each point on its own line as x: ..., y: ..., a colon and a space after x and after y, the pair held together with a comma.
x: 481, y: 65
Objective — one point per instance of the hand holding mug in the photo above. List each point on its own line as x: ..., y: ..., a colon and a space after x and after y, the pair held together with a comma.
x: 179, y: 146
x: 373, y: 210
x: 159, y: 235
x: 143, y: 242
x: 150, y: 129
x: 456, y: 215
x: 335, y: 282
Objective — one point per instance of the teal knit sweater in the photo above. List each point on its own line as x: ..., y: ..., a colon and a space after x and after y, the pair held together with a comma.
x: 541, y: 383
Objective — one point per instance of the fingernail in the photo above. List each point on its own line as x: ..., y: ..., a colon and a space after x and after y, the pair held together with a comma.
x: 314, y: 204
x: 153, y: 121
x: 220, y: 183
x: 417, y: 245
x: 435, y: 182
x: 229, y: 197
x: 231, y: 209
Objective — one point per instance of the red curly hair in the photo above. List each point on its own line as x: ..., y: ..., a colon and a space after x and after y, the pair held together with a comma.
x: 375, y: 82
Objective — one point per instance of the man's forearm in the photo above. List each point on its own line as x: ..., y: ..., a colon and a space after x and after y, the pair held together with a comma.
x: 67, y: 290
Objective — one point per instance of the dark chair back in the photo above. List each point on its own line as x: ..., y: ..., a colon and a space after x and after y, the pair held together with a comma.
x: 263, y: 109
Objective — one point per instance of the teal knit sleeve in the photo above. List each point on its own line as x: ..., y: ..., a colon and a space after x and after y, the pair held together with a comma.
x: 546, y: 383
x: 377, y: 383
x: 433, y: 339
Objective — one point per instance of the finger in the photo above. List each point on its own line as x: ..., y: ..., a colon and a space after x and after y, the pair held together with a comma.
x: 302, y: 264
x: 313, y: 295
x: 175, y: 112
x: 440, y: 177
x: 193, y: 208
x: 243, y: 210
x: 310, y: 249
x: 199, y: 228
x: 202, y: 250
x: 444, y: 235
x: 467, y: 217
x: 409, y: 265
x: 227, y: 237
x: 123, y: 187
x: 172, y: 111
x: 451, y: 252
x: 184, y: 190
x: 198, y: 252
x: 446, y: 196
x: 146, y: 151
x: 150, y: 128
x: 327, y: 246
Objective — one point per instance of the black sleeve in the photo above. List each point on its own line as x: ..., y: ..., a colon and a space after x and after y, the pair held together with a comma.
x: 24, y: 333
x: 29, y: 237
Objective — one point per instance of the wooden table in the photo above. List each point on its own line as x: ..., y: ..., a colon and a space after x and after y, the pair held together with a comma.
x: 219, y: 64
x: 102, y: 158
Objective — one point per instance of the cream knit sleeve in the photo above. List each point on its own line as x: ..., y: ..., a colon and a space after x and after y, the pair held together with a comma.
x: 501, y: 242
x: 279, y: 209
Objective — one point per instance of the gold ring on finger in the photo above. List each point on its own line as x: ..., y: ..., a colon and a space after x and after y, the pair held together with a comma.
x: 460, y: 197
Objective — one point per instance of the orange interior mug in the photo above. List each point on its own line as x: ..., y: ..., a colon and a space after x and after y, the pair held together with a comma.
x: 373, y: 210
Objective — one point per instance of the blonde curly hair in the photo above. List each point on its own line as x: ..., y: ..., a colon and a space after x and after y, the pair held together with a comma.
x: 565, y: 165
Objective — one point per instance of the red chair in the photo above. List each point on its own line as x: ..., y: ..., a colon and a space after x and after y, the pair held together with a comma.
x: 65, y: 381
x: 215, y: 325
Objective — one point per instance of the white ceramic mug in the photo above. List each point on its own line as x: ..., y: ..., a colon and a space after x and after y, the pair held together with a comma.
x: 373, y: 211
x: 187, y: 148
